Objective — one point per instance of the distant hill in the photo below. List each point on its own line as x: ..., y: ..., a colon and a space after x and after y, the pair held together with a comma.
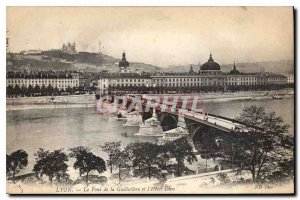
x: 93, y: 62
x: 282, y: 66
x: 58, y: 60
x: 35, y: 64
x: 81, y: 57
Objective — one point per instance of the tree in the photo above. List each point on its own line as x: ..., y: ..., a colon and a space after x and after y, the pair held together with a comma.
x: 262, y: 148
x: 30, y: 90
x: 111, y: 148
x: 52, y: 164
x: 56, y: 90
x: 181, y: 150
x: 61, y: 91
x: 93, y: 88
x: 146, y: 159
x: 23, y: 90
x: 86, y: 161
x: 43, y: 90
x: 36, y: 89
x: 49, y: 90
x: 78, y: 153
x: 122, y: 159
x: 69, y: 89
x: 16, y: 90
x: 9, y: 90
x: 15, y: 162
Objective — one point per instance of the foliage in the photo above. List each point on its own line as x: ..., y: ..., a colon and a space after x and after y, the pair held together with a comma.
x: 259, y: 150
x: 52, y: 164
x: 145, y: 157
x: 122, y: 159
x: 78, y: 153
x: 181, y: 150
x: 86, y: 161
x: 112, y: 149
x: 15, y: 162
x: 30, y: 91
x: 223, y: 178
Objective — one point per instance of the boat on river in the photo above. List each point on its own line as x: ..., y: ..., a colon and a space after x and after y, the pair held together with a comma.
x: 279, y: 96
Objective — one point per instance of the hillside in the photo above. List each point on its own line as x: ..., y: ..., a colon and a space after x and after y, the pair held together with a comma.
x: 58, y: 60
x: 93, y: 62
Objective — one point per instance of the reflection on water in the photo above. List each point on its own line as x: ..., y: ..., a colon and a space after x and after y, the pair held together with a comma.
x: 232, y: 109
x: 65, y: 128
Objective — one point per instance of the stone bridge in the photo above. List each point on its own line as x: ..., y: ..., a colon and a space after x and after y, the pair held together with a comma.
x: 204, y: 129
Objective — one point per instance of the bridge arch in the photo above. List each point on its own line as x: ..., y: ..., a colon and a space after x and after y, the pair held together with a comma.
x: 168, y: 121
x: 146, y: 115
x: 206, y: 140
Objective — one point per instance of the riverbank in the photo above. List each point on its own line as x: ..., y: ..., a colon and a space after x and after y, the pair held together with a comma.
x: 49, y: 102
x: 82, y: 101
x: 48, y: 106
x: 230, y: 96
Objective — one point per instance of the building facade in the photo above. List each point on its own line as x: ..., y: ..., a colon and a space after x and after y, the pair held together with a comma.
x: 61, y: 80
x: 290, y: 78
x: 123, y: 81
x: 209, y: 75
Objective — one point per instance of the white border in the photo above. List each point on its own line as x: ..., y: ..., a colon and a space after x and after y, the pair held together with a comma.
x: 5, y: 3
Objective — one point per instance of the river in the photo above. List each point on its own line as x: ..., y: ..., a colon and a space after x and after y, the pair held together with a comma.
x: 69, y: 127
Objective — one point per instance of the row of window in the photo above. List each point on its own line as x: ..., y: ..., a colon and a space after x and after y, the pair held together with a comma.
x: 39, y: 81
x: 242, y: 79
x: 158, y: 80
x: 190, y: 84
x: 170, y: 84
x: 211, y: 83
x: 131, y: 80
x: 54, y: 85
x: 199, y: 79
x: 276, y: 79
x: 241, y: 83
x: 125, y: 84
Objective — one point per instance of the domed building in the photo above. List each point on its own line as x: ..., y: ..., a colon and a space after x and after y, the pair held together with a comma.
x: 234, y: 71
x: 210, y: 67
x: 124, y: 64
x: 210, y: 64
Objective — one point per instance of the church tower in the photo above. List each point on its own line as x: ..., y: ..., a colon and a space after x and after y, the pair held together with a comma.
x: 124, y: 64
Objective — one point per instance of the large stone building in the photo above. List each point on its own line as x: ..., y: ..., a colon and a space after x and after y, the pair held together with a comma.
x: 123, y: 81
x: 61, y: 80
x: 209, y: 75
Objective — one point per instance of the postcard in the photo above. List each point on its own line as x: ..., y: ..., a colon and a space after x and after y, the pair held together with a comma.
x: 150, y: 100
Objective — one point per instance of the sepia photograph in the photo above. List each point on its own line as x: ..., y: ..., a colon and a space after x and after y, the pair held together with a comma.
x: 150, y: 100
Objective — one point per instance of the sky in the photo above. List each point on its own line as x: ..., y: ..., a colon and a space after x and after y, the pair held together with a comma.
x: 160, y: 36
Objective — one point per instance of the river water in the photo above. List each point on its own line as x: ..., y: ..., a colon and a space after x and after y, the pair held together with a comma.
x: 65, y: 128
